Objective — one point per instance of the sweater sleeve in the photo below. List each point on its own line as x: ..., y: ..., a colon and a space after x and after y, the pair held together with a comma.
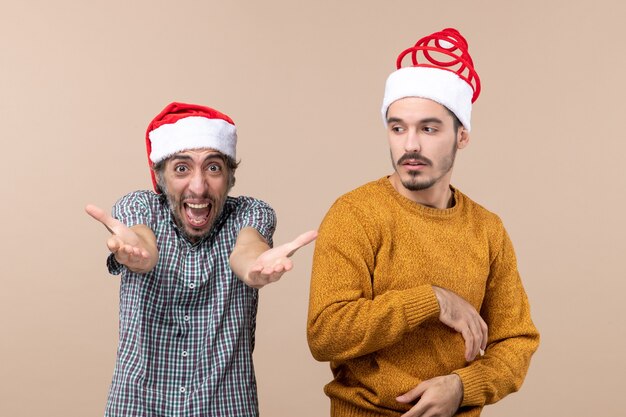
x: 345, y: 319
x: 513, y: 337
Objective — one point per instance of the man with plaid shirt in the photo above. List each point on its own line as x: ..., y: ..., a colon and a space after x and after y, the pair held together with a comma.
x: 192, y: 260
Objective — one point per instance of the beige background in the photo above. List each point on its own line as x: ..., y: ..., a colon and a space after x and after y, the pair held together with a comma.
x: 80, y: 80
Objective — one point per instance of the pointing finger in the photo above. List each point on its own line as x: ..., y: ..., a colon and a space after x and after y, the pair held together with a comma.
x: 302, y: 240
x: 95, y: 212
x: 101, y: 216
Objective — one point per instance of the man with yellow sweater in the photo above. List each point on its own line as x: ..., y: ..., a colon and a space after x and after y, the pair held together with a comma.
x: 415, y: 299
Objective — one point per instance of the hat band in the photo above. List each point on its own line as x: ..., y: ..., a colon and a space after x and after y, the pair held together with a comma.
x: 440, y: 85
x: 192, y: 133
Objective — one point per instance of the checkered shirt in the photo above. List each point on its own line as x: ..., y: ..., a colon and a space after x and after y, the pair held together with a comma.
x: 186, y: 328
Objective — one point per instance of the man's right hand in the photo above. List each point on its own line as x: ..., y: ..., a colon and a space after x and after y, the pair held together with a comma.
x: 460, y: 315
x: 134, y: 247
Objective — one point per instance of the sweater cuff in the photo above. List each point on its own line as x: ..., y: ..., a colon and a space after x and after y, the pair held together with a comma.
x: 420, y: 305
x: 473, y: 387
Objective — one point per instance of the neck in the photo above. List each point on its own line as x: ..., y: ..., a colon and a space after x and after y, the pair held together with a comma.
x: 439, y: 195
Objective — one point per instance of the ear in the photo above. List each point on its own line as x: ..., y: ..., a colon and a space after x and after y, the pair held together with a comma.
x: 462, y: 138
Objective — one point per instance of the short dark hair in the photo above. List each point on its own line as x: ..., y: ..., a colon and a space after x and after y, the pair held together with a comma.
x: 230, y: 163
x: 455, y: 120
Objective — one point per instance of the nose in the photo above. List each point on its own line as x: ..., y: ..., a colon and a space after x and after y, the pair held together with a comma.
x: 412, y: 143
x: 198, y: 184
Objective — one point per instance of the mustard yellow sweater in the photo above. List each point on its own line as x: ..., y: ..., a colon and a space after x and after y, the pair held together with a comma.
x: 373, y: 313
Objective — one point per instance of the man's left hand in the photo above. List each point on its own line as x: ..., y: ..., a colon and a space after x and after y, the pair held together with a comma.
x: 256, y: 264
x: 437, y: 397
x: 273, y: 263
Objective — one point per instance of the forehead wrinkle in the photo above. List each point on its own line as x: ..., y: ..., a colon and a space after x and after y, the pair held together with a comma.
x: 186, y: 157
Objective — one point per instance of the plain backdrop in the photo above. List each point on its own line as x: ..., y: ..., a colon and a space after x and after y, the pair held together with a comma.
x: 80, y: 80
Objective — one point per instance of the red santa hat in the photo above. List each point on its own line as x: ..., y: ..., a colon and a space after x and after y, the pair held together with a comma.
x: 181, y: 127
x: 441, y: 70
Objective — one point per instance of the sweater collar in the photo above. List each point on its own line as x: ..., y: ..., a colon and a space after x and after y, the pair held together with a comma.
x: 420, y: 208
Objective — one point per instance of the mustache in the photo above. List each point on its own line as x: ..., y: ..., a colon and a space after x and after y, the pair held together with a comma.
x: 414, y: 156
x: 198, y: 196
x: 205, y: 196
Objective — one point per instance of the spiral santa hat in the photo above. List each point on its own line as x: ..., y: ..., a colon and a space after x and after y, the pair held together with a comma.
x: 441, y: 69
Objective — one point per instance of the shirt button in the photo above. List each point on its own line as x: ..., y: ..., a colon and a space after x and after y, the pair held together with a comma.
x: 184, y: 353
x: 186, y: 318
x: 192, y: 285
x: 183, y: 389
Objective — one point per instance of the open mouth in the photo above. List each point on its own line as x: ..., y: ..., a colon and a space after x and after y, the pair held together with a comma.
x: 197, y: 214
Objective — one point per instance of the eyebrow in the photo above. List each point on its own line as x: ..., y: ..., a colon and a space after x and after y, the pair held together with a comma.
x: 431, y: 120
x: 422, y: 121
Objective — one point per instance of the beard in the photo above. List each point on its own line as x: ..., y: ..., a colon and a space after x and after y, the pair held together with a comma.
x: 417, y: 180
x: 189, y: 232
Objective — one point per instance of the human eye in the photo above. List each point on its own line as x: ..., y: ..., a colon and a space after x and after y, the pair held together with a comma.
x: 397, y: 129
x: 214, y: 168
x: 430, y: 129
x: 180, y: 169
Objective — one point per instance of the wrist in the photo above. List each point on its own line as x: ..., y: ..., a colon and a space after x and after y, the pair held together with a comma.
x: 459, y: 388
